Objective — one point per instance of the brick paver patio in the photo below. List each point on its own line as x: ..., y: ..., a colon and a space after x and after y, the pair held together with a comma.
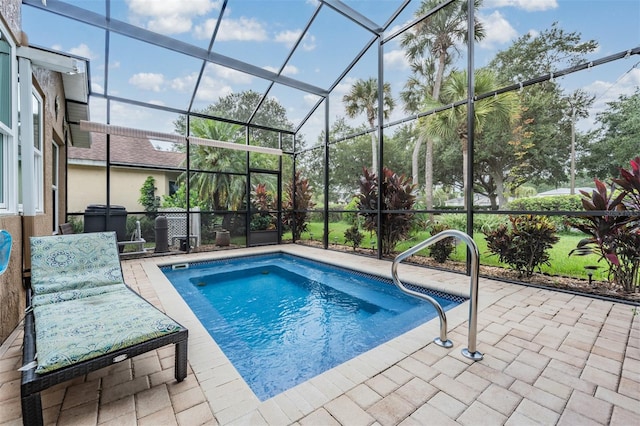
x: 549, y: 358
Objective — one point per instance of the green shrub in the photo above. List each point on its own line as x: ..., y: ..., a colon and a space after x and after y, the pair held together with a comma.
x: 353, y: 236
x: 351, y: 218
x: 453, y: 220
x: 524, y: 245
x: 571, y: 203
x: 441, y: 250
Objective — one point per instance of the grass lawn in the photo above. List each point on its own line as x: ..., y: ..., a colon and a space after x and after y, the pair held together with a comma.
x: 561, y: 263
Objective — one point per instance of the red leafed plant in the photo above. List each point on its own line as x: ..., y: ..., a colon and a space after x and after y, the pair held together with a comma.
x: 397, y: 198
x: 614, y: 235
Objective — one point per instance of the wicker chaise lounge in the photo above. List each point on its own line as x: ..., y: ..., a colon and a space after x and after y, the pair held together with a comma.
x: 81, y: 316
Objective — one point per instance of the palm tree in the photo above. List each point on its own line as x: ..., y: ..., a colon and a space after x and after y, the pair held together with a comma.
x: 363, y: 97
x: 452, y: 122
x: 220, y: 190
x: 430, y: 47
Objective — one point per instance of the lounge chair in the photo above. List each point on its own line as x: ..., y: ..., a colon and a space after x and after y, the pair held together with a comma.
x: 65, y: 228
x: 81, y: 316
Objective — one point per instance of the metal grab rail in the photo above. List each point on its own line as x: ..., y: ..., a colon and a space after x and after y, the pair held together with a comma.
x: 469, y: 352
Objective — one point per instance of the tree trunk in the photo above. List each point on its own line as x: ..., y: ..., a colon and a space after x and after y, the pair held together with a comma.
x: 428, y: 174
x: 493, y: 199
x: 502, y: 200
x: 465, y: 172
x: 374, y: 153
x: 415, y: 156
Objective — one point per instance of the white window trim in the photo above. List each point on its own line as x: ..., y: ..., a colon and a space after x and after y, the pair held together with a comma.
x: 38, y: 156
x: 10, y: 138
x: 55, y: 185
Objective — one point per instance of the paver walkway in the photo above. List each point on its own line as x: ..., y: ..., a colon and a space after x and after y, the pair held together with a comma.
x: 549, y: 358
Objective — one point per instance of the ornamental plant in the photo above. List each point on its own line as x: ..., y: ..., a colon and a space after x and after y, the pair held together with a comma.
x: 263, y: 201
x: 441, y: 250
x: 524, y: 244
x: 614, y: 235
x: 398, y: 197
x: 296, y: 216
x: 354, y: 236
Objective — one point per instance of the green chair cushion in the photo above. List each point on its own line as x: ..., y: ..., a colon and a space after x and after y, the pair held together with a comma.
x: 76, y: 330
x: 71, y: 262
x: 65, y: 296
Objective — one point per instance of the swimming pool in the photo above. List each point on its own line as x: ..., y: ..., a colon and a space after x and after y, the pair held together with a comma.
x: 282, y: 319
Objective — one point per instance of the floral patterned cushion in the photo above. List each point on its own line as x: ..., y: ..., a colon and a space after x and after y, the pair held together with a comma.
x: 77, y: 330
x: 75, y: 261
x: 64, y: 296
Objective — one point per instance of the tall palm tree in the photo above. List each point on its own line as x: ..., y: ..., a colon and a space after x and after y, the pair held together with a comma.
x: 452, y: 122
x: 430, y: 47
x: 363, y: 97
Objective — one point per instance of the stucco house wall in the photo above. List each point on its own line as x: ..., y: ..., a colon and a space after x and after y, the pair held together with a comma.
x: 87, y: 185
x: 49, y: 86
x: 131, y: 160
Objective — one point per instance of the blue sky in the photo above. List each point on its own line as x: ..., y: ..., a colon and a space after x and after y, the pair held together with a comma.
x: 262, y: 33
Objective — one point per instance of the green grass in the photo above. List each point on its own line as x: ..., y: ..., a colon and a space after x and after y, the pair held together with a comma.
x: 561, y: 263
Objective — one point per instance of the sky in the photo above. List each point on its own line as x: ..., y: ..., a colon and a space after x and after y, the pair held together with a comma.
x: 262, y: 33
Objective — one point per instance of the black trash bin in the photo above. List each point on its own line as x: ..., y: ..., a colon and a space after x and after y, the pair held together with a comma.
x: 95, y: 220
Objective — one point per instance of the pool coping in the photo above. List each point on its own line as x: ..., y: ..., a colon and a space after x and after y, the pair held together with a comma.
x: 226, y: 391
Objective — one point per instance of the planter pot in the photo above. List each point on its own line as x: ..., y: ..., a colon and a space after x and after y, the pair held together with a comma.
x: 222, y: 238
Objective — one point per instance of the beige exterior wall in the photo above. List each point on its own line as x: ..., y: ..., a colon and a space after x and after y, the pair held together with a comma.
x: 87, y: 185
x: 49, y: 86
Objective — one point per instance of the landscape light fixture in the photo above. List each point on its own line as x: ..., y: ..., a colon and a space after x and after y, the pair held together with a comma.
x: 110, y: 129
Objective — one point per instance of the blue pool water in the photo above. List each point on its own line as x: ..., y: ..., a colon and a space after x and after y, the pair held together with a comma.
x: 282, y: 319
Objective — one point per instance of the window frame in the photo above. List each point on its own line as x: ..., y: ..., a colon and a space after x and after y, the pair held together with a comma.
x: 8, y: 135
x: 38, y: 148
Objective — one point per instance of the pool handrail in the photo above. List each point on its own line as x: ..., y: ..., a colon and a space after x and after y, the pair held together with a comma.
x: 470, y: 351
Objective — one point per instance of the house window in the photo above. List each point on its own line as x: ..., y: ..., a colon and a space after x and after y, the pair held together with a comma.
x: 7, y: 116
x: 37, y: 151
x: 34, y: 187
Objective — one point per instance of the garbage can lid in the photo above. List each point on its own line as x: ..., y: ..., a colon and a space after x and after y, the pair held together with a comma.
x: 103, y: 207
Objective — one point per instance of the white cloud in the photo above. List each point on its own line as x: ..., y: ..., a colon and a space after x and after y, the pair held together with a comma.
x: 343, y: 87
x: 173, y: 24
x: 184, y: 84
x: 83, y: 51
x: 310, y: 99
x: 170, y: 16
x: 96, y: 88
x: 528, y: 5
x: 242, y: 29
x: 396, y: 59
x: 309, y: 43
x: 607, y: 91
x: 228, y: 74
x: 288, y: 37
x: 212, y: 89
x: 288, y: 70
x: 497, y: 30
x: 147, y: 81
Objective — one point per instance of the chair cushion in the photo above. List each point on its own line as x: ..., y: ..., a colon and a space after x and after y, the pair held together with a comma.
x: 64, y: 296
x: 73, y: 331
x: 71, y: 262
